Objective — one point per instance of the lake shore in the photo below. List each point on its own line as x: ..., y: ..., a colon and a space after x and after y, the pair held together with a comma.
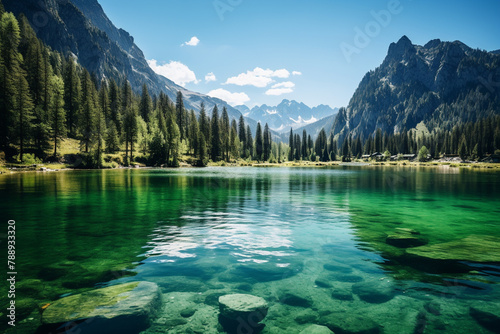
x: 44, y: 168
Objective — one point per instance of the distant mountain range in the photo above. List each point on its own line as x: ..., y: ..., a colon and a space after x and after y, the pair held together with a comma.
x: 82, y: 28
x: 440, y: 84
x: 288, y: 114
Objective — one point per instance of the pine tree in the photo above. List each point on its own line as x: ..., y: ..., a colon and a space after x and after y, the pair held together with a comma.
x: 249, y: 142
x: 297, y: 146
x: 112, y: 141
x: 291, y: 141
x: 146, y: 104
x: 173, y: 139
x: 215, y: 147
x: 87, y: 112
x: 204, y: 124
x: 242, y: 135
x: 72, y: 93
x: 157, y: 146
x: 267, y: 143
x: 346, y: 150
x: 462, y: 149
x: 202, y: 155
x: 224, y: 133
x: 235, y: 140
x: 258, y: 142
x: 194, y: 133
x: 58, y: 113
x: 305, y: 147
x: 115, y: 107
x: 100, y: 126
x: 179, y: 107
x: 23, y: 111
x: 130, y: 132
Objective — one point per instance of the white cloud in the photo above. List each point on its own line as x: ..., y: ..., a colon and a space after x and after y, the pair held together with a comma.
x: 192, y: 42
x: 233, y: 99
x: 175, y: 71
x: 296, y: 73
x: 278, y: 91
x: 210, y: 77
x: 258, y: 77
x: 285, y: 84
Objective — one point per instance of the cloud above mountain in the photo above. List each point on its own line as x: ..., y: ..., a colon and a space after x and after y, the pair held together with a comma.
x: 281, y: 88
x: 210, y: 77
x: 175, y: 71
x: 258, y: 77
x: 233, y: 99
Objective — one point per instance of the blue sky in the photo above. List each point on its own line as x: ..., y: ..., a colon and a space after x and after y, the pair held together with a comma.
x: 316, y: 52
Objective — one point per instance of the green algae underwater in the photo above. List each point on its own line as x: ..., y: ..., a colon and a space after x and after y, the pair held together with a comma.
x: 355, y: 249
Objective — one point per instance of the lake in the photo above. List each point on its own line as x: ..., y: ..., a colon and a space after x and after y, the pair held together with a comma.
x: 346, y: 247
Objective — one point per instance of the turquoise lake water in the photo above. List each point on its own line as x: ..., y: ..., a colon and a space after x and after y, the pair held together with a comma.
x: 312, y: 242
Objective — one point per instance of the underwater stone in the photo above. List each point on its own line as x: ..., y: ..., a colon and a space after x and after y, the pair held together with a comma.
x: 187, y: 312
x: 487, y: 315
x: 306, y: 317
x: 126, y: 308
x: 242, y: 305
x: 316, y: 329
x: 349, y: 278
x: 294, y: 299
x: 350, y: 324
x: 264, y: 272
x: 241, y: 312
x: 374, y: 292
x: 405, y: 240
x: 342, y: 295
x: 474, y: 248
x: 323, y: 282
x: 337, y: 268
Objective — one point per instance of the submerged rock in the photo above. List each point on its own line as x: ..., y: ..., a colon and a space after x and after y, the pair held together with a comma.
x: 323, y: 282
x: 374, y: 292
x: 124, y: 308
x: 306, y: 317
x: 316, y: 329
x: 487, y: 315
x: 294, y: 298
x: 263, y: 272
x: 474, y: 248
x: 337, y: 268
x: 350, y: 324
x: 405, y: 238
x: 342, y: 295
x: 241, y: 312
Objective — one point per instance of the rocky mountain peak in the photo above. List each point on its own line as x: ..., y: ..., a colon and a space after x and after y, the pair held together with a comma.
x: 401, y: 50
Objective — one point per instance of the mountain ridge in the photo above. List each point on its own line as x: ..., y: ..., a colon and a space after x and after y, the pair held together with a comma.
x: 440, y: 84
x: 287, y: 114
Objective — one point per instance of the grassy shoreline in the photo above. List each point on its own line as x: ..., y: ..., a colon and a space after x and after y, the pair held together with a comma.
x: 55, y: 167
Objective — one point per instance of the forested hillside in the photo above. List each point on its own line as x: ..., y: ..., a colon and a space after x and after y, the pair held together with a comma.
x: 47, y: 97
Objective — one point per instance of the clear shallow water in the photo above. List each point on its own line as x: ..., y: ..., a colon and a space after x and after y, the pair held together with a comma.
x: 309, y: 241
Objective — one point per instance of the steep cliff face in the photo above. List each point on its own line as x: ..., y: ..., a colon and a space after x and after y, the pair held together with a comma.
x: 440, y: 84
x: 82, y: 28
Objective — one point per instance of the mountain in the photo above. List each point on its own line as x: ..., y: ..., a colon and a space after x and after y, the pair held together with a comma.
x: 312, y: 129
x: 287, y: 114
x: 440, y: 84
x: 81, y: 28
